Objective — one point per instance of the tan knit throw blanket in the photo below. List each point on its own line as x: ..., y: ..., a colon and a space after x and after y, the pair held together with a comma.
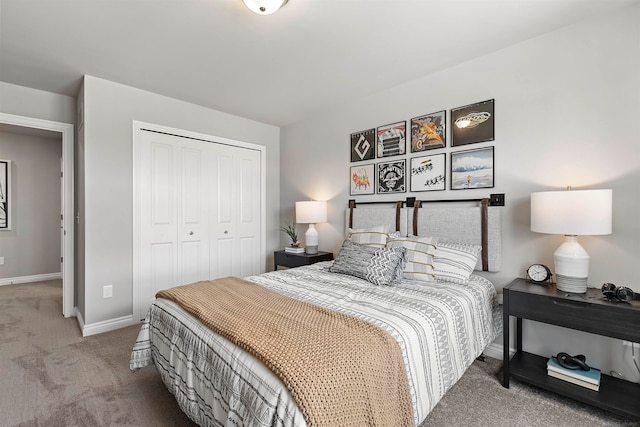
x: 340, y: 370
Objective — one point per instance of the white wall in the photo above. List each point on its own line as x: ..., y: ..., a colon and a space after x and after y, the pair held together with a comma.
x: 567, y: 107
x: 32, y: 246
x: 109, y: 109
x: 24, y: 101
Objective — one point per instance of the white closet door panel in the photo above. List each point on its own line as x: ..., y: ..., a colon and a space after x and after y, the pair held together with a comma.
x: 193, y: 200
x: 248, y: 264
x: 223, y: 255
x: 162, y: 189
x: 249, y: 211
x: 226, y: 187
x: 158, y: 218
x: 226, y: 258
x: 162, y: 266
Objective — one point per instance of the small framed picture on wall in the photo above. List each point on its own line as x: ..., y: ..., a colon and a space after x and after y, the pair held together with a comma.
x: 472, y: 169
x: 363, y: 145
x: 5, y: 194
x: 391, y: 139
x: 362, y: 177
x: 472, y: 123
x: 429, y: 132
x: 391, y: 177
x: 428, y: 173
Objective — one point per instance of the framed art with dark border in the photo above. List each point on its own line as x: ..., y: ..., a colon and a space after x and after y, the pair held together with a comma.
x: 472, y: 169
x: 472, y: 123
x: 361, y: 176
x: 391, y: 139
x: 391, y: 177
x: 429, y: 132
x: 428, y: 173
x: 5, y: 193
x: 363, y: 145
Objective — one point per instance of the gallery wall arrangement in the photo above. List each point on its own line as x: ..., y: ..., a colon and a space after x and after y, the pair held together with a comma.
x: 382, y: 163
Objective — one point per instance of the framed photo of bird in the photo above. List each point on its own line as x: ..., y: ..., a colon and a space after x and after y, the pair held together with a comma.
x: 429, y: 132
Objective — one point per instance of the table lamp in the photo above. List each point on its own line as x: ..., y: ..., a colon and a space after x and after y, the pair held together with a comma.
x: 572, y: 213
x: 311, y: 212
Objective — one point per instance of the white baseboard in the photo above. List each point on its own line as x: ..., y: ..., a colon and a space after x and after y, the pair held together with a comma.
x: 104, y: 326
x: 29, y: 279
x: 495, y: 350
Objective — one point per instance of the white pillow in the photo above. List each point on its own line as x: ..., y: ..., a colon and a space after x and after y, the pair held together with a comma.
x: 454, y: 262
x: 373, y: 236
x: 420, y: 252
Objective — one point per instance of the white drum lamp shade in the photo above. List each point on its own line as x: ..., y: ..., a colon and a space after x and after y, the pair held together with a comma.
x: 311, y: 212
x: 572, y: 213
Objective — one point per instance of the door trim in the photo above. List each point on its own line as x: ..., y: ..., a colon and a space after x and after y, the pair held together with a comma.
x: 66, y: 130
x: 138, y: 128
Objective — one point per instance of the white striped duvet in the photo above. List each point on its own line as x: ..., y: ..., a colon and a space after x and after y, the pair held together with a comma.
x: 441, y: 329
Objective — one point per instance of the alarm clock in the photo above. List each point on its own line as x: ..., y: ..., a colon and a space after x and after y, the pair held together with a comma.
x: 539, y: 273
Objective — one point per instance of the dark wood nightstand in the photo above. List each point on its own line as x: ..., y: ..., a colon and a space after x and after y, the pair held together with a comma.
x: 589, y: 312
x: 286, y: 259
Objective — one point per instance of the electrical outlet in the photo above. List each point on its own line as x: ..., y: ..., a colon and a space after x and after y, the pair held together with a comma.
x: 1, y: 260
x: 107, y: 291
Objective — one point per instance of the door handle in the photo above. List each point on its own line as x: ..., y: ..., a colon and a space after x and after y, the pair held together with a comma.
x: 191, y: 233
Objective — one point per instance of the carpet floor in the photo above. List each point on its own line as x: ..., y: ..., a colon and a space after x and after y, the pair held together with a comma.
x: 51, y: 376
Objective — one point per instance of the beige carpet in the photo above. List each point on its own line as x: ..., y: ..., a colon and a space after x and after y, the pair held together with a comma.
x: 51, y: 376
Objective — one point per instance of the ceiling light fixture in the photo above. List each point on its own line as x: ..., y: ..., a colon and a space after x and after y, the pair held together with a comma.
x: 264, y: 7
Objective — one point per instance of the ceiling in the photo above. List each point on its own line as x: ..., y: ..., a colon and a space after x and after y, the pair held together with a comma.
x: 279, y: 69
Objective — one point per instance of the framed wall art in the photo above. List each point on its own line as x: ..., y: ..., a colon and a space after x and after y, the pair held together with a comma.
x: 472, y: 169
x: 429, y: 132
x: 391, y: 139
x: 428, y: 173
x: 363, y: 145
x: 472, y: 123
x: 361, y: 178
x: 391, y: 177
x: 5, y: 193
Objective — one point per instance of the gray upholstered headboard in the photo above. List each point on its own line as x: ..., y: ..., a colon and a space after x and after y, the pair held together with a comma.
x: 479, y: 225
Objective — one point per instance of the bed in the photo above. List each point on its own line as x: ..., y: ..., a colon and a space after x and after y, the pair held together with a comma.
x: 440, y: 326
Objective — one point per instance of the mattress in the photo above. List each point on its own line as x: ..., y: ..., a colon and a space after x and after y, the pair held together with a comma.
x: 440, y: 327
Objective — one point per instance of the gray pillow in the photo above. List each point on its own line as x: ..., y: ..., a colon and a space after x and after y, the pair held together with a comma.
x: 380, y: 266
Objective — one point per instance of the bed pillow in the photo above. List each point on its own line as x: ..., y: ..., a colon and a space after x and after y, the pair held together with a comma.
x: 376, y: 265
x: 374, y: 236
x: 454, y: 262
x: 420, y: 252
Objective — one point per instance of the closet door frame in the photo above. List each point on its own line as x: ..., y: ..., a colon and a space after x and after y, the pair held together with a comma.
x: 138, y: 128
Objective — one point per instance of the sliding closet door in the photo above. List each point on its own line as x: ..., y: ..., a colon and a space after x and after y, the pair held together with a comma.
x: 173, y: 247
x: 235, y: 231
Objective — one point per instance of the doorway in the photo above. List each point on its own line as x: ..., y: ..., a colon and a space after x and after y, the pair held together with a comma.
x: 67, y: 180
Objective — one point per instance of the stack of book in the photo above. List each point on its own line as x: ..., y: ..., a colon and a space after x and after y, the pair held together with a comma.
x: 589, y: 379
x: 294, y: 250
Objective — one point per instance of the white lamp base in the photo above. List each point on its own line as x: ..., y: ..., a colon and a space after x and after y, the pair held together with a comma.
x: 572, y: 266
x: 311, y: 240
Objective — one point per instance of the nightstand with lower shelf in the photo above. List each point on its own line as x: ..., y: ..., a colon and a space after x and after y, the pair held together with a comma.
x: 290, y: 260
x: 589, y: 312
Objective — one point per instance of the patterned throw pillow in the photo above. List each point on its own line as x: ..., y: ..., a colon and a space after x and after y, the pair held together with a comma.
x: 376, y: 265
x: 454, y: 262
x: 420, y: 251
x: 374, y: 236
